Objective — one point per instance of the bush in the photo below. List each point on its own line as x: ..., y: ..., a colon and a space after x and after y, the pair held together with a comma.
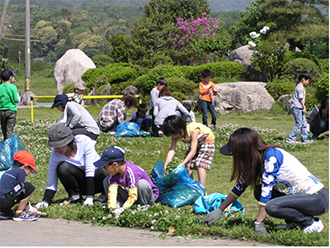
x: 122, y: 75
x: 181, y: 85
x: 293, y: 68
x: 146, y: 82
x: 290, y: 55
x: 179, y: 96
x: 324, y: 65
x: 276, y: 89
x: 102, y: 60
x: 311, y: 99
x: 322, y: 87
x: 218, y: 69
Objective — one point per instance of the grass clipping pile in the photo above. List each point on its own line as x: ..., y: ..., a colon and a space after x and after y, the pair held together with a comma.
x: 171, y: 166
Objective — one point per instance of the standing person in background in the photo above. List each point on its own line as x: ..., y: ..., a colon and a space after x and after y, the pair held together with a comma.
x: 113, y: 113
x: 283, y: 186
x: 318, y: 120
x: 77, y: 97
x: 165, y: 106
x: 76, y: 117
x: 8, y: 100
x: 154, y: 94
x: 206, y: 91
x: 298, y: 110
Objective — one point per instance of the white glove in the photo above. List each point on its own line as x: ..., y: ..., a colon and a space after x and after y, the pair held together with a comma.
x: 42, y: 204
x: 89, y: 201
x: 212, y: 217
x: 117, y: 212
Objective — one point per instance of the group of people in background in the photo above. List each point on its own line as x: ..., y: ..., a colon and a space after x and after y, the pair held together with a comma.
x: 282, y: 185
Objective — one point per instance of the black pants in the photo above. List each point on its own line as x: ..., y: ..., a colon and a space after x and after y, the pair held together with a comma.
x: 82, y: 130
x: 74, y: 179
x: 13, y: 197
x: 8, y: 122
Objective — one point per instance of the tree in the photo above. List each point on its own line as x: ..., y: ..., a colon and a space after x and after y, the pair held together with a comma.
x: 150, y: 35
x: 296, y: 21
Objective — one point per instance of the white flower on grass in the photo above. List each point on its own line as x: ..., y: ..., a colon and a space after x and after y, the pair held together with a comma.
x: 153, y: 222
x: 254, y: 35
x: 264, y: 30
x: 251, y: 43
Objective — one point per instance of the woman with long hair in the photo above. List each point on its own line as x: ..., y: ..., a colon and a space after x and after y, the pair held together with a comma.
x: 283, y: 186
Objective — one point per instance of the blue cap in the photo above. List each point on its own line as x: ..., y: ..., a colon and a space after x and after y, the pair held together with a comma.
x: 110, y: 155
x: 62, y: 98
x: 13, y: 74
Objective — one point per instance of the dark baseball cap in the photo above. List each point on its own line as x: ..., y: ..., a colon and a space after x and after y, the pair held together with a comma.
x: 110, y: 155
x: 225, y: 150
x: 59, y: 99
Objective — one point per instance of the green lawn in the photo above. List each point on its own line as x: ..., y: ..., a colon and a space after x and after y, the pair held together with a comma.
x: 274, y: 126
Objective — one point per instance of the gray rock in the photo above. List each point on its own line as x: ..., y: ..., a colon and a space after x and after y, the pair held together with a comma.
x: 70, y: 67
x: 131, y: 89
x: 244, y: 56
x: 285, y: 100
x: 242, y: 96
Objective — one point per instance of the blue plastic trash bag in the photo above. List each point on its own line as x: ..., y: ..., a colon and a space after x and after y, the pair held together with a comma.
x: 177, y: 188
x: 128, y: 129
x: 209, y: 203
x: 8, y: 148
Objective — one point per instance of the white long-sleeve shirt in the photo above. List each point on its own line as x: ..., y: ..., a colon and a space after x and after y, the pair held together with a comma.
x: 84, y: 159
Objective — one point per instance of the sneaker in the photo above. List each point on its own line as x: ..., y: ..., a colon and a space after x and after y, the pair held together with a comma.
x: 24, y: 216
x: 102, y: 200
x: 6, y: 215
x: 317, y: 226
x: 161, y: 134
x: 306, y: 142
x: 71, y: 199
x: 291, y: 141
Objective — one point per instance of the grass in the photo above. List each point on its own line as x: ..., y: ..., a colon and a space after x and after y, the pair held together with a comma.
x: 274, y: 126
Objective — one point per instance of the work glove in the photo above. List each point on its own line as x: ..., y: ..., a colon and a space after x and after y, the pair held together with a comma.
x: 89, y: 201
x: 260, y: 228
x: 117, y: 212
x: 42, y: 204
x: 212, y: 216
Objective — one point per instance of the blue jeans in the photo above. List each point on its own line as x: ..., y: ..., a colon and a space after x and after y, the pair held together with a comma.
x: 299, y: 208
x: 301, y: 124
x: 205, y: 105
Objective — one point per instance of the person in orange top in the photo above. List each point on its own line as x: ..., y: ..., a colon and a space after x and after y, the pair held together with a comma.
x: 206, y: 91
x: 199, y: 155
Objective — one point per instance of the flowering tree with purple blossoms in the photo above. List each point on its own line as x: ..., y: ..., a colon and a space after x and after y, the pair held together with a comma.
x: 198, y: 41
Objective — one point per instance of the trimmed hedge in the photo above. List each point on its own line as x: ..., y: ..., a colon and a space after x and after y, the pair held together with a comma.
x: 184, y: 86
x: 276, y: 89
x: 218, y: 69
x: 293, y: 68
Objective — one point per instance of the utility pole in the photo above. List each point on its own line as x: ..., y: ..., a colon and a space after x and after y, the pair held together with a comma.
x: 28, y: 93
x: 3, y: 16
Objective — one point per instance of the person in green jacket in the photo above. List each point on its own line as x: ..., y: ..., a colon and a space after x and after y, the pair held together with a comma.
x: 8, y: 100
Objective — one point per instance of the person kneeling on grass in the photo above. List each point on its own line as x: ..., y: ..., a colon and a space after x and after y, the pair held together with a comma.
x: 127, y: 183
x: 71, y: 161
x: 288, y: 190
x: 14, y: 189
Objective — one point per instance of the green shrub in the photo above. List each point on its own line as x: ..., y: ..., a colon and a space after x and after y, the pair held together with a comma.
x: 293, y: 68
x: 186, y: 70
x: 184, y: 86
x: 146, y: 82
x: 324, y: 65
x: 102, y: 60
x: 311, y: 99
x: 218, y: 69
x: 118, y: 89
x: 179, y: 96
x: 290, y: 55
x: 122, y: 75
x: 278, y: 88
x: 322, y: 87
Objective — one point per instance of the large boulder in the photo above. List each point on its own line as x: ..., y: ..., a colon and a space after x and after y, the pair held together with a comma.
x: 70, y: 67
x: 242, y: 96
x: 244, y: 56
